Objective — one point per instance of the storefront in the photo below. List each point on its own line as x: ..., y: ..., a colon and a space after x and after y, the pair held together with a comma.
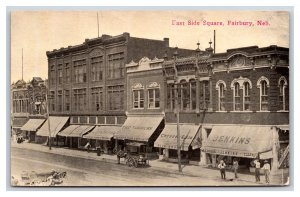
x: 139, y: 134
x: 72, y: 135
x: 57, y: 123
x: 189, y: 143
x: 30, y: 128
x: 241, y: 142
x: 102, y: 137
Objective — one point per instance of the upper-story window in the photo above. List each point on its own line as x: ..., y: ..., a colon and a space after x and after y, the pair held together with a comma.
x: 52, y: 75
x: 138, y: 97
x: 236, y: 97
x: 221, y: 87
x: 80, y: 100
x: 52, y: 100
x: 80, y: 71
x: 59, y: 74
x: 170, y: 96
x: 59, y: 101
x: 283, y: 96
x: 67, y: 100
x: 97, y: 68
x: 263, y: 85
x: 115, y: 97
x: 153, y: 96
x: 246, y: 96
x: 97, y: 99
x: 67, y: 73
x: 116, y: 65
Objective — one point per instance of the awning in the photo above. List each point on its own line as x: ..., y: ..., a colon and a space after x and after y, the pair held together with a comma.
x: 56, y: 124
x: 139, y: 128
x: 188, y: 136
x: 103, y: 132
x: 67, y: 131
x: 81, y: 130
x: 33, y: 124
x: 238, y: 141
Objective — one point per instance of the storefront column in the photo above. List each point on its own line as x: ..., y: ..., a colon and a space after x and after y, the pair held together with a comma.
x: 203, y: 155
x: 275, y: 143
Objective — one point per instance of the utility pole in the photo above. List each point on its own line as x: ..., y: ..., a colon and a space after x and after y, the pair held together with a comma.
x: 98, y: 24
x: 22, y: 64
x: 48, y: 117
x: 176, y: 86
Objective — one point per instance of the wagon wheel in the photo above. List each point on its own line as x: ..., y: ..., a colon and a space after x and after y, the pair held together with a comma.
x: 130, y: 162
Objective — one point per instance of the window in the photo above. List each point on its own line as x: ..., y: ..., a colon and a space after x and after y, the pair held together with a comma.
x: 67, y: 73
x: 52, y: 75
x: 283, y: 98
x: 246, y: 96
x: 97, y: 69
x: 138, y: 99
x: 236, y: 97
x: 204, y: 94
x: 193, y: 94
x: 185, y: 95
x: 97, y: 99
x: 115, y: 97
x: 59, y: 73
x: 116, y: 65
x: 59, y: 100
x: 52, y: 100
x: 170, y: 96
x: 153, y: 98
x: 221, y: 89
x: 80, y: 71
x: 264, y: 96
x: 79, y: 99
x: 67, y: 100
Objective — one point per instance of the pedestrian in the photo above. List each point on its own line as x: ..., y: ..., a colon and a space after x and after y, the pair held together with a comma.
x: 257, y: 170
x: 267, y: 169
x: 235, y: 167
x: 222, y: 166
x: 88, y: 146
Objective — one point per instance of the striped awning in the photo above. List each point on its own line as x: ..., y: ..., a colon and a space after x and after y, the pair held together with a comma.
x: 103, y: 132
x: 139, y: 128
x: 32, y: 124
x: 189, y: 136
x: 56, y: 124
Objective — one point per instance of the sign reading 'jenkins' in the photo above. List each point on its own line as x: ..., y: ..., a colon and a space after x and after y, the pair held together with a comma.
x: 231, y: 139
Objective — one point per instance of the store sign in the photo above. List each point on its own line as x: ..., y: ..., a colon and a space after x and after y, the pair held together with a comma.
x: 137, y: 127
x: 229, y: 152
x: 175, y: 136
x: 230, y: 139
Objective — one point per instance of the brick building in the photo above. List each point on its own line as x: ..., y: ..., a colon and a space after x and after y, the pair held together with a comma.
x: 87, y: 82
x: 239, y: 99
x: 27, y: 104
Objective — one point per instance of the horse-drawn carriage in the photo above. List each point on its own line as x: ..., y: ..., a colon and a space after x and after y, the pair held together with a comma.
x: 133, y: 159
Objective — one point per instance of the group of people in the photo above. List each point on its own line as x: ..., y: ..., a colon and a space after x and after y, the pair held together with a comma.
x: 235, y: 166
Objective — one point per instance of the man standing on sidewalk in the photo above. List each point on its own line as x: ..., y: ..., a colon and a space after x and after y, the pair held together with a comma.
x: 257, y: 170
x: 222, y: 166
x: 267, y: 169
x: 235, y: 166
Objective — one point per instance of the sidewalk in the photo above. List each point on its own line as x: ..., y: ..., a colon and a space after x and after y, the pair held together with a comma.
x: 172, y: 168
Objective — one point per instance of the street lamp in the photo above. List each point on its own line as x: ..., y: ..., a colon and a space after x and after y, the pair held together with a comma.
x: 177, y: 110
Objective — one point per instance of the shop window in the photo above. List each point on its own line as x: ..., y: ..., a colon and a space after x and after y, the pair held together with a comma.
x: 246, y: 96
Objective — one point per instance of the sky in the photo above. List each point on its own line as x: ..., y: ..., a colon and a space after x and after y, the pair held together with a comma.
x: 40, y: 31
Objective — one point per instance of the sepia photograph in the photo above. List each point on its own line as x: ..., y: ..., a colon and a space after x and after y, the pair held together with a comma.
x: 159, y: 98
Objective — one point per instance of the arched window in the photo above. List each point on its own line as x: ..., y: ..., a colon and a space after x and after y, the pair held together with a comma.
x: 221, y: 87
x: 236, y: 97
x: 283, y: 97
x: 264, y: 96
x: 170, y: 96
x: 246, y: 96
x: 185, y: 95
